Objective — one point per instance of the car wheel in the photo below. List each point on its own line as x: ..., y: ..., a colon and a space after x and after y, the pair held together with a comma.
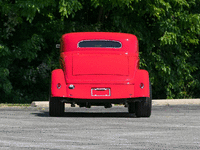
x: 143, y: 108
x: 131, y: 107
x: 56, y: 107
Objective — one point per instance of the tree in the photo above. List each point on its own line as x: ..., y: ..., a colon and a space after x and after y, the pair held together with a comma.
x: 168, y: 33
x: 22, y: 47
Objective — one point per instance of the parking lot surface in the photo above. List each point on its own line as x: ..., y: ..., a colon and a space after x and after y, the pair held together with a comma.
x: 169, y: 127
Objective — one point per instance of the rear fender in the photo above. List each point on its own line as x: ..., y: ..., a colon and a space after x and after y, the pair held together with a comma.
x: 141, y: 84
x: 58, y: 84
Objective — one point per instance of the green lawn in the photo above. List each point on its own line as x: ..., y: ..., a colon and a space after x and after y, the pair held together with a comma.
x: 14, y: 105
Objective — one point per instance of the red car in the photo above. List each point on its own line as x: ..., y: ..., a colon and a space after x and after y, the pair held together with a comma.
x: 100, y: 69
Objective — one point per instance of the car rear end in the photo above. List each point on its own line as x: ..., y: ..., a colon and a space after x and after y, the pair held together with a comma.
x: 100, y: 68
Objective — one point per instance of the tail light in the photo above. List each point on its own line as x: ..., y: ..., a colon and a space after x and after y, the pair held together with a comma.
x: 58, y: 85
x: 141, y: 85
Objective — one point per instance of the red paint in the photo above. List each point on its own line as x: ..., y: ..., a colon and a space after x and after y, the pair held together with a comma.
x: 99, y: 64
x: 141, y: 77
x: 114, y: 69
x: 58, y: 84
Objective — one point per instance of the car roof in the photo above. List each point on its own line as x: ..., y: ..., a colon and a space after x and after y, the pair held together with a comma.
x: 129, y: 41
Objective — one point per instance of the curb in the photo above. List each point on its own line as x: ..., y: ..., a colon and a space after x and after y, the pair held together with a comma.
x: 176, y: 102
x: 154, y: 102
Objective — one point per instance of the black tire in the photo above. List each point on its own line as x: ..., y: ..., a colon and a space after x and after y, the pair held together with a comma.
x: 143, y: 108
x: 56, y: 107
x: 131, y: 107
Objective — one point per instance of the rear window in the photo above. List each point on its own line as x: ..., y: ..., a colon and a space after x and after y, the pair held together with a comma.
x: 100, y: 43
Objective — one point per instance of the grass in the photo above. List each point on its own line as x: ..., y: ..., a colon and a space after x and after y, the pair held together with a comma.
x: 14, y: 105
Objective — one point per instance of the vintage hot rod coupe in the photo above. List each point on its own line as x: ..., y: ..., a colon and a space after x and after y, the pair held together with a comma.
x: 100, y: 69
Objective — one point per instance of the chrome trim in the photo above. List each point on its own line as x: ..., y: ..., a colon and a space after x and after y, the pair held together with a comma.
x: 59, y: 86
x: 71, y: 86
x: 57, y: 45
x: 141, y: 85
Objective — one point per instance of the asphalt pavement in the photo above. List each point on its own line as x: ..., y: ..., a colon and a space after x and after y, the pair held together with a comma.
x: 31, y: 128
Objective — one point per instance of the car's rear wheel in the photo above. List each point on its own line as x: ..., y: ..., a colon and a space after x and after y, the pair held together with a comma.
x: 143, y: 108
x: 56, y: 107
x: 131, y: 107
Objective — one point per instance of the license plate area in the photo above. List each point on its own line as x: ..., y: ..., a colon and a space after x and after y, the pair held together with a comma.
x: 100, y: 92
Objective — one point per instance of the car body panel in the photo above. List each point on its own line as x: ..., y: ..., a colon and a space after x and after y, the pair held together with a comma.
x: 99, y: 72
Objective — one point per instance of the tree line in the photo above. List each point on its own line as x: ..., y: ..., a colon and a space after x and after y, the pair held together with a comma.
x: 168, y: 33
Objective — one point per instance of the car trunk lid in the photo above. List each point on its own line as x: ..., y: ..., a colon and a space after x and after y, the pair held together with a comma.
x: 100, y: 64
